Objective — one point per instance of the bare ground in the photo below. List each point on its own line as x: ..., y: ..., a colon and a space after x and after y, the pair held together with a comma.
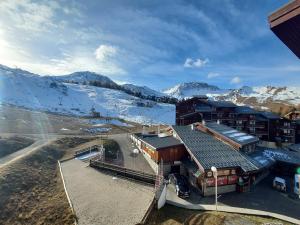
x: 31, y: 190
x: 171, y: 215
x: 12, y: 144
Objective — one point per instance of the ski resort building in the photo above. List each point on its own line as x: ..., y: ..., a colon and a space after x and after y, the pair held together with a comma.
x: 160, y: 148
x: 285, y: 24
x: 193, y: 149
x: 267, y: 126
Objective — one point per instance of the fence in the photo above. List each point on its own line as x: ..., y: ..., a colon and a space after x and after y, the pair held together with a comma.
x: 93, y: 148
x: 125, y: 172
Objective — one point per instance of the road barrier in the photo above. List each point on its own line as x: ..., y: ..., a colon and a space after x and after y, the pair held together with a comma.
x: 94, y: 148
x: 125, y: 172
x: 67, y: 194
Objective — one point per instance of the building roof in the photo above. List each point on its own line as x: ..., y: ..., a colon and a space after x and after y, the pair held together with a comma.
x: 269, y: 115
x: 245, y: 110
x: 279, y: 155
x: 221, y: 104
x: 294, y: 147
x: 159, y: 142
x: 285, y: 24
x: 232, y: 134
x: 209, y: 151
x: 189, y: 114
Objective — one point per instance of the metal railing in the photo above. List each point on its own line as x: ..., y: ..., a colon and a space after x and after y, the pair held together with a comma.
x: 125, y: 172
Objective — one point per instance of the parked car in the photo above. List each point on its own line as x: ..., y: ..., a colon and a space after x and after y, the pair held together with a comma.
x: 279, y: 184
x: 180, y: 184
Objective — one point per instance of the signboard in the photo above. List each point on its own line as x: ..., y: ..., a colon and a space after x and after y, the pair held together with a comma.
x: 232, y: 179
x: 210, y: 182
x: 223, y: 172
x: 221, y: 181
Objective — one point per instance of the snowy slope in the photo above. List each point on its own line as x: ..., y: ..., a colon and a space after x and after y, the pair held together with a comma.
x: 144, y: 90
x: 47, y: 93
x: 86, y: 76
x: 257, y: 96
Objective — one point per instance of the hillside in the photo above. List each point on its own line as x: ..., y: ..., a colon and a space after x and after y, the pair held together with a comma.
x: 21, y: 88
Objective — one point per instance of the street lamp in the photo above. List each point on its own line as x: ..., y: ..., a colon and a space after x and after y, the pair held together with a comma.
x: 215, y: 173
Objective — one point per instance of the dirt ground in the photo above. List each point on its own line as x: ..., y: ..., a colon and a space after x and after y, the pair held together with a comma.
x: 18, y: 120
x: 12, y: 144
x: 31, y: 190
x: 171, y: 215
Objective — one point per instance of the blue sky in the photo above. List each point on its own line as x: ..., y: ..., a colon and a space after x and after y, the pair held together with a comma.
x: 154, y: 43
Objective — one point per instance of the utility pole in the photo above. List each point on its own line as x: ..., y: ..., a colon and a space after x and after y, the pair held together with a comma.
x: 215, y: 173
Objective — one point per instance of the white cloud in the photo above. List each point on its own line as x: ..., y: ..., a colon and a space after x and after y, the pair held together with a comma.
x: 197, y: 63
x: 212, y: 75
x: 104, y: 52
x: 236, y: 80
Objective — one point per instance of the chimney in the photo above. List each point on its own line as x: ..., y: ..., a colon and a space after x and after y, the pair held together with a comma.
x: 193, y: 126
x: 144, y: 130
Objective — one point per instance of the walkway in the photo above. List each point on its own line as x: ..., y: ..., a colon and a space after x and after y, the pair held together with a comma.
x: 99, y: 198
x: 202, y: 204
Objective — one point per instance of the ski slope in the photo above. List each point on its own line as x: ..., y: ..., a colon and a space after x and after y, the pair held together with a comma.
x: 28, y: 90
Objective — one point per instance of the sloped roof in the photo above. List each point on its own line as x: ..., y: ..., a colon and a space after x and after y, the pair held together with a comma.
x: 159, y: 142
x: 280, y: 155
x: 245, y: 110
x: 232, y: 134
x: 209, y: 151
x: 270, y: 115
x: 221, y: 103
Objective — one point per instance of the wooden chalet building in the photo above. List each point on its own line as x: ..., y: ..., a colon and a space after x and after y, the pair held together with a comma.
x: 265, y: 125
x: 213, y: 144
x: 160, y: 148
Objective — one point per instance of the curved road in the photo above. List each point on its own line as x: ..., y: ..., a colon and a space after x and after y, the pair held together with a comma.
x: 6, y: 160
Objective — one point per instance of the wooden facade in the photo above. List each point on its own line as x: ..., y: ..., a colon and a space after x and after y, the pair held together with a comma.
x: 261, y: 124
x: 285, y: 24
x: 168, y: 154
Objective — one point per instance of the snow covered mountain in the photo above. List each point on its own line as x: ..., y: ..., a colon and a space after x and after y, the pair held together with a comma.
x: 277, y: 99
x: 21, y: 88
x: 144, y: 90
x: 86, y: 77
x: 186, y: 90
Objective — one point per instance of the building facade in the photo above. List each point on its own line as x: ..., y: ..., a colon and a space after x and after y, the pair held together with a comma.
x: 265, y: 125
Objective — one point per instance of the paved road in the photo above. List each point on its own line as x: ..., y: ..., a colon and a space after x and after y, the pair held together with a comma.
x: 262, y: 197
x: 129, y: 159
x: 99, y: 198
x: 5, y: 161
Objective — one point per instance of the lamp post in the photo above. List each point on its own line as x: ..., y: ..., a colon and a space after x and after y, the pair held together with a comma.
x: 215, y: 173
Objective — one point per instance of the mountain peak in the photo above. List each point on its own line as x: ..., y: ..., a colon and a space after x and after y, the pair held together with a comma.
x: 189, y: 89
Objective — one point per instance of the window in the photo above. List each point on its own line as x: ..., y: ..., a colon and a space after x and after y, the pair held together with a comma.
x: 239, y: 122
x: 252, y: 122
